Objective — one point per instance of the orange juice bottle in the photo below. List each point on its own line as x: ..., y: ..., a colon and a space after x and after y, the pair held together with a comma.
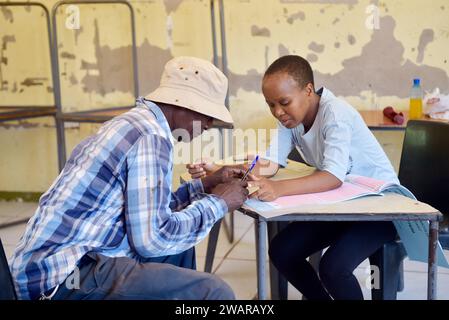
x: 415, y: 111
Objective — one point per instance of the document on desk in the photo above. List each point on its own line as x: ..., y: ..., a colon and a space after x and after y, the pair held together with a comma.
x: 354, y: 187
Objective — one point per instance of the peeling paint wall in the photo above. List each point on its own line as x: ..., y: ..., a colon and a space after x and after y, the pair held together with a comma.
x: 369, y: 67
x: 368, y: 61
x: 25, y: 75
x: 95, y: 70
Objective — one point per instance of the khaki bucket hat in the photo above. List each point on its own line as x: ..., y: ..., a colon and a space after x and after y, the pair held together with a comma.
x: 194, y: 84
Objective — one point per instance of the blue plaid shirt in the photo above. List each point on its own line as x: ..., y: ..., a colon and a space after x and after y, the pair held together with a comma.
x: 113, y: 197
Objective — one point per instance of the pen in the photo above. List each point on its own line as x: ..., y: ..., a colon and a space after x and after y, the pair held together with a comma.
x: 250, y: 168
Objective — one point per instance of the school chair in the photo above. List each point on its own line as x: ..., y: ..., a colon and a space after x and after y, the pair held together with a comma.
x: 7, y: 291
x: 424, y: 170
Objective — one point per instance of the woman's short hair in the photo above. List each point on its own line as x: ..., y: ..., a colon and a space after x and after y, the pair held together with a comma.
x: 297, y: 67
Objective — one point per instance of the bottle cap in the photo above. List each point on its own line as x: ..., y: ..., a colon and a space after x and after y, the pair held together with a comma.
x: 416, y: 82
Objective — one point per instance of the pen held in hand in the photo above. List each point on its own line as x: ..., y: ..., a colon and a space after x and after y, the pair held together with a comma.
x: 251, y: 167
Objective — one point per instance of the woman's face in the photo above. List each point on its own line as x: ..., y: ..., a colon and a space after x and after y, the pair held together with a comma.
x: 287, y: 101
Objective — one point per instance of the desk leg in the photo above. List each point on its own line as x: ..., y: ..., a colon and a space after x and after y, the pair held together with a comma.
x: 432, y: 263
x: 261, y: 238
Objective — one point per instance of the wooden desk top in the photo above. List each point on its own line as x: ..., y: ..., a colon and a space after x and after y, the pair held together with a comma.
x: 375, y: 120
x: 103, y: 115
x: 94, y: 116
x: 17, y: 113
x: 389, y: 207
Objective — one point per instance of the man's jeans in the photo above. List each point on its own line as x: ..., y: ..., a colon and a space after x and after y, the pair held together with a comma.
x: 171, y: 277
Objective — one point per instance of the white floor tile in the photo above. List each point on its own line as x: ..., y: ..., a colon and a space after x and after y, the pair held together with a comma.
x: 13, y: 208
x: 415, y: 286
x: 223, y: 244
x: 200, y: 263
x: 416, y: 266
x: 9, y: 250
x: 16, y: 211
x: 12, y: 235
x: 241, y: 276
x: 242, y: 221
x: 245, y: 248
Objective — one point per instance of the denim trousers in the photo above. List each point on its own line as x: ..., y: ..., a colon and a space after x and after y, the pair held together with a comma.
x: 170, y: 277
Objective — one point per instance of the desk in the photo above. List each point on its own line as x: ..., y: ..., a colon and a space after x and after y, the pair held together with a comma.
x: 17, y: 113
x: 387, y: 208
x: 103, y: 115
x: 375, y: 120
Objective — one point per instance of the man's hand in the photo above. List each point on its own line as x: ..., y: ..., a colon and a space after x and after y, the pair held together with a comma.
x: 234, y: 193
x: 222, y: 175
x: 268, y: 191
x: 202, y: 169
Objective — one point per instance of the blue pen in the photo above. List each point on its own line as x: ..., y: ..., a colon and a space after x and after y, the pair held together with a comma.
x: 250, y: 168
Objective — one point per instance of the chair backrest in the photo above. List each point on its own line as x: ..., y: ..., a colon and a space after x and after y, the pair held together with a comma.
x: 424, y: 166
x: 7, y: 291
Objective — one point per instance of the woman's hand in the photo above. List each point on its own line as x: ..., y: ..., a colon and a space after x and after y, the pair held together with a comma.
x: 268, y: 190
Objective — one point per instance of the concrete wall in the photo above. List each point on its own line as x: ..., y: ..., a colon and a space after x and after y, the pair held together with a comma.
x: 364, y: 51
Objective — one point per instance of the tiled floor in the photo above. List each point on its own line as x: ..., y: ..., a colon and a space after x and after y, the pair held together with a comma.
x: 236, y: 262
x: 15, y: 212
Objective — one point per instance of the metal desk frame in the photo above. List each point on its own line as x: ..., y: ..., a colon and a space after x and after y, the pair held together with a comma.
x: 93, y: 115
x: 261, y: 240
x: 229, y: 226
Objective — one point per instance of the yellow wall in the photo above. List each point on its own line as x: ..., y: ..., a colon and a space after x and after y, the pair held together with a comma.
x: 370, y: 68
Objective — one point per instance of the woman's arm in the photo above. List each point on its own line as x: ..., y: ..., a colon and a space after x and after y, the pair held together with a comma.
x: 269, y: 190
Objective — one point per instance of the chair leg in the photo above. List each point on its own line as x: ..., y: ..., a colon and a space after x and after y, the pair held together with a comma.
x: 60, y: 142
x: 229, y: 229
x: 212, y: 246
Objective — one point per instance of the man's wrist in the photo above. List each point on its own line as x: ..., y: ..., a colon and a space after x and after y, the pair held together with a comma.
x: 208, y: 183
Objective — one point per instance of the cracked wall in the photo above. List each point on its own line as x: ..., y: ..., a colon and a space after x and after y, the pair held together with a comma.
x: 369, y: 68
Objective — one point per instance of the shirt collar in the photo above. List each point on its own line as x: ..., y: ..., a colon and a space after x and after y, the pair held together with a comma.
x: 325, y: 94
x: 158, y: 114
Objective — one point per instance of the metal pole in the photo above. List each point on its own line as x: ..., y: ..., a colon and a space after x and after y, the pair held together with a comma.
x: 214, y: 35
x: 215, y: 61
x: 134, y: 50
x: 433, y: 261
x: 261, y: 257
x: 229, y: 140
x: 224, y: 59
x: 60, y: 132
x: 62, y: 154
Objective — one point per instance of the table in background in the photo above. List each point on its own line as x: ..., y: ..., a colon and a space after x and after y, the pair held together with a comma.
x: 375, y: 120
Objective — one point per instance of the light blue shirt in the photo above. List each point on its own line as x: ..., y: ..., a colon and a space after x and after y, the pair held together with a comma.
x: 338, y: 142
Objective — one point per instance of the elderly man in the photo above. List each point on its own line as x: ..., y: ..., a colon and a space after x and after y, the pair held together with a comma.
x: 110, y: 227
